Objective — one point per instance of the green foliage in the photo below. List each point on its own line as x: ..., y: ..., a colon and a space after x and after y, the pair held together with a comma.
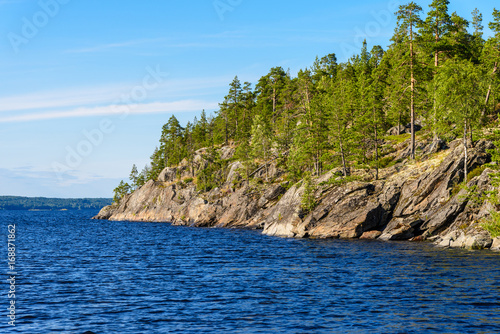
x: 213, y: 175
x: 260, y: 144
x: 134, y: 177
x: 398, y: 139
x: 308, y: 200
x: 120, y: 191
x: 386, y: 161
x: 476, y: 172
x: 493, y: 224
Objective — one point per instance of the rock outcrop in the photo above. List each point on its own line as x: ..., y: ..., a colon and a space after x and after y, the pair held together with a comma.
x: 418, y: 201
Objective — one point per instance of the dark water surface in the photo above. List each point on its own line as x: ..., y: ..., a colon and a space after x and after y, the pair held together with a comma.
x: 77, y: 275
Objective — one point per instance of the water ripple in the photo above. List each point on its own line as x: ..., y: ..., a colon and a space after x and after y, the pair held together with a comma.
x: 78, y: 275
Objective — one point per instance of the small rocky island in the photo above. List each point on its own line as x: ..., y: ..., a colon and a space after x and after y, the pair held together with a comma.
x: 418, y: 201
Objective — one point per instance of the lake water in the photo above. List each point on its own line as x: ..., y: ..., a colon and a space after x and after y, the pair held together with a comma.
x: 76, y: 275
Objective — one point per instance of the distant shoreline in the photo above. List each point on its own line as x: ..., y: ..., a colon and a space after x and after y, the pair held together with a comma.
x: 20, y: 203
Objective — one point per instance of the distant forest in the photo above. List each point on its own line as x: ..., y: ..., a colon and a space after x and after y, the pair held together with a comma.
x: 42, y: 203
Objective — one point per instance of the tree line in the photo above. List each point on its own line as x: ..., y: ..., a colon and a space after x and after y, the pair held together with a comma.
x: 438, y: 71
x: 42, y: 203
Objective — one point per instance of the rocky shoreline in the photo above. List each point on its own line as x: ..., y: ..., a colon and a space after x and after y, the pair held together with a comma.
x: 416, y: 201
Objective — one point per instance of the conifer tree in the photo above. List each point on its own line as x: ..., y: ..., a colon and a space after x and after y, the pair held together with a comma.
x: 408, y: 20
x: 376, y: 100
x: 120, y: 191
x: 248, y: 106
x: 170, y: 142
x: 477, y: 43
x: 268, y: 94
x: 261, y: 141
x: 491, y: 54
x: 458, y: 96
x: 134, y: 174
x: 434, y: 32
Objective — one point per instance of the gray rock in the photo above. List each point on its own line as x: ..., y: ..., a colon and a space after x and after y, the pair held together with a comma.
x: 168, y: 175
x: 394, y: 130
x: 370, y: 235
x: 495, y: 245
x: 233, y: 174
x: 412, y: 202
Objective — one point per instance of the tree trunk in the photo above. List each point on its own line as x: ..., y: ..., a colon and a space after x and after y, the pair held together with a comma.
x: 344, y: 167
x: 267, y: 169
x: 436, y: 65
x: 488, y: 94
x: 225, y: 121
x: 274, y: 105
x: 465, y: 151
x: 412, y: 105
x: 471, y: 144
x: 399, y: 124
x: 236, y: 117
x: 376, y: 144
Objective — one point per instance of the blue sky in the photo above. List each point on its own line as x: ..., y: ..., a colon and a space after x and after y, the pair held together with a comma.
x: 85, y: 86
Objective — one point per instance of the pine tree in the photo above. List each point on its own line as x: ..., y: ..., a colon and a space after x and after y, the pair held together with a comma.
x: 376, y: 100
x: 287, y: 122
x: 248, y: 106
x: 157, y: 165
x: 268, y: 94
x: 134, y: 174
x: 261, y: 141
x: 341, y: 105
x: 491, y: 55
x: 120, y: 191
x: 324, y: 67
x: 200, y: 129
x: 458, y: 96
x: 170, y: 142
x: 408, y: 21
x: 244, y: 155
x: 477, y: 43
x: 434, y: 39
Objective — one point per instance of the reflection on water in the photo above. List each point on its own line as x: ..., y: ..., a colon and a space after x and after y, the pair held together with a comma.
x: 114, y: 277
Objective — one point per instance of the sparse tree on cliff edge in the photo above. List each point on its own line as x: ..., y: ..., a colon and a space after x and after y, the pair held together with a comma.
x: 133, y: 176
x: 120, y: 191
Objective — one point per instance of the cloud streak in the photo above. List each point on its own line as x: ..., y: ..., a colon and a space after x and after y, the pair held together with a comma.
x: 116, y: 45
x: 177, y: 89
x: 115, y: 109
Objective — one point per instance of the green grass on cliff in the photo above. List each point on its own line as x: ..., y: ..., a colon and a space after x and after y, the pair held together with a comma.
x: 493, y: 224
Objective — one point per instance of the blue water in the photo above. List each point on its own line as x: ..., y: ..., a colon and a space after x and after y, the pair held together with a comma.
x: 77, y: 275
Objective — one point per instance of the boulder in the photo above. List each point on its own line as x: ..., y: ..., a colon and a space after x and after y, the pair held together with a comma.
x: 394, y: 130
x: 233, y: 174
x: 371, y: 235
x: 106, y: 212
x: 495, y: 245
x: 226, y: 152
x: 168, y: 175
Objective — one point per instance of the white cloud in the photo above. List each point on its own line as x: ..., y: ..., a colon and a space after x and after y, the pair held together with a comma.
x: 110, y: 94
x: 116, y: 45
x: 115, y: 109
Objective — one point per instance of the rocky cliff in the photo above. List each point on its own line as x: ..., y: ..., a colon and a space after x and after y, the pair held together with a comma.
x: 411, y: 201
